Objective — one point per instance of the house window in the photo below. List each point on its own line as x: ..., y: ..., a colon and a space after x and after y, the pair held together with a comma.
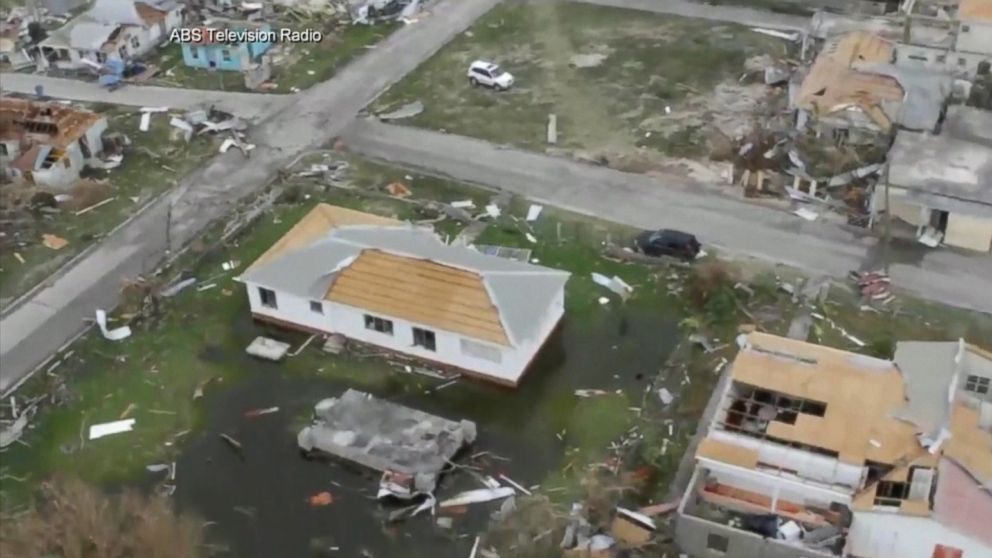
x: 268, y: 297
x: 941, y: 58
x: 122, y: 52
x: 194, y: 53
x: 225, y: 55
x: 3, y: 149
x: 962, y: 62
x: 101, y: 57
x: 134, y: 42
x: 424, y: 338
x: 891, y: 493
x: 717, y: 543
x: 478, y: 350
x: 965, y: 28
x: 317, y: 307
x: 977, y: 384
x: 378, y: 324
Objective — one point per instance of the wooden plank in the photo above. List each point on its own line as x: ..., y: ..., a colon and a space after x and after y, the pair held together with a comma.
x: 437, y: 292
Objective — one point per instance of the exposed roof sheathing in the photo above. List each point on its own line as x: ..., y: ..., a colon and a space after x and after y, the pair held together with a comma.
x: 832, y: 85
x: 322, y: 219
x: 70, y: 123
x: 420, y: 291
x: 860, y: 393
x: 408, y: 273
x: 975, y: 10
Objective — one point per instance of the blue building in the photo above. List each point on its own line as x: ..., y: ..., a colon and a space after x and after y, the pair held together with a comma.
x: 208, y: 52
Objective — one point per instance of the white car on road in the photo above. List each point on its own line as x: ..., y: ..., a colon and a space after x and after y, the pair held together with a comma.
x: 490, y: 75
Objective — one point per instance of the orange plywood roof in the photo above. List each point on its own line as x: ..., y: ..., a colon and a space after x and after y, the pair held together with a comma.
x: 421, y: 291
x: 860, y: 394
x: 975, y: 10
x: 318, y: 222
x: 970, y: 445
x: 833, y: 85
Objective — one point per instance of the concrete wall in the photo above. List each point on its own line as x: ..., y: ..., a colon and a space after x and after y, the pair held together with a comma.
x: 963, y: 65
x: 968, y: 232
x: 350, y: 322
x: 975, y: 36
x: 693, y: 534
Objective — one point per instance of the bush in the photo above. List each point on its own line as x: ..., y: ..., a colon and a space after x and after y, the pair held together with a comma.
x: 710, y: 289
x: 75, y: 520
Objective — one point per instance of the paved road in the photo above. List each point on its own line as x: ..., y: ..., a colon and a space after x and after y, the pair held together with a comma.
x: 642, y: 201
x: 731, y: 14
x: 246, y: 105
x: 55, y: 315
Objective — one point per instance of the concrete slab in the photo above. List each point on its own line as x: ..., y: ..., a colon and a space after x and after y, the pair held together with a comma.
x: 387, y: 437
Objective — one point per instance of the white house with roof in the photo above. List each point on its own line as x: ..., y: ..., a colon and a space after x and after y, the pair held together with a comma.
x: 390, y: 284
x: 122, y: 29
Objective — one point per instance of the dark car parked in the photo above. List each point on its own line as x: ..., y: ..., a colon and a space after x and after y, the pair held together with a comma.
x: 667, y: 242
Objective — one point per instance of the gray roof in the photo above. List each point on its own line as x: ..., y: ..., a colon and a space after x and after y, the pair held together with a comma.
x: 522, y: 292
x: 969, y: 124
x: 943, y: 172
x: 115, y: 11
x: 925, y: 94
x: 927, y: 369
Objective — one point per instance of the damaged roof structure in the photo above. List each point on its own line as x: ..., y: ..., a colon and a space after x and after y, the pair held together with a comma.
x: 815, y: 451
x: 123, y: 29
x: 48, y: 144
x: 854, y: 88
x: 949, y: 174
x: 402, y: 288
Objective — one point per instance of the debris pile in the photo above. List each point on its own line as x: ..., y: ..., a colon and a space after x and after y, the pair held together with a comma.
x: 409, y: 447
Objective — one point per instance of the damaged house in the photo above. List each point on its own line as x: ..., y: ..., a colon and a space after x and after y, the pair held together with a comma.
x: 849, y: 105
x: 121, y: 29
x: 942, y: 184
x: 816, y: 452
x: 385, y: 283
x: 48, y: 144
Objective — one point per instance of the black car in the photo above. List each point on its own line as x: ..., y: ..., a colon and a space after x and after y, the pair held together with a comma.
x: 667, y: 242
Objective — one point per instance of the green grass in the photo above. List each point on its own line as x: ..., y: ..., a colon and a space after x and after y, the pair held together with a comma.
x: 616, y: 108
x: 155, y: 372
x: 295, y: 66
x: 153, y: 163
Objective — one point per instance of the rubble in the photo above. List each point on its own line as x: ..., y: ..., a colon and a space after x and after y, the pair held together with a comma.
x: 269, y: 349
x: 411, y: 448
x: 111, y: 428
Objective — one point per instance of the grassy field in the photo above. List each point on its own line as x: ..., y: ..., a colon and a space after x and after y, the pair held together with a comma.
x: 615, y: 108
x: 153, y: 163
x: 295, y: 66
x: 196, y: 341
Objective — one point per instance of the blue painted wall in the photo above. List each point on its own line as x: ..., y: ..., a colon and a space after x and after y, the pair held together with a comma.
x: 224, y: 57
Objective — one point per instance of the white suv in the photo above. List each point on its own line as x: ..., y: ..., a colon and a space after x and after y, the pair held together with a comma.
x: 490, y: 75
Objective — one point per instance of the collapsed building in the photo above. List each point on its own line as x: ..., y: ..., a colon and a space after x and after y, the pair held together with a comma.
x: 942, y: 184
x: 816, y: 452
x: 48, y: 144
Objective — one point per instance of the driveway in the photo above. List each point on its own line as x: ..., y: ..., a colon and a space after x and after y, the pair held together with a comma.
x: 250, y: 106
x: 55, y: 314
x: 736, y: 225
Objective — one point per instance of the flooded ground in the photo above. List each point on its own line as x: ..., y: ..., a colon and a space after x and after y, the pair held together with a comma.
x: 258, y: 500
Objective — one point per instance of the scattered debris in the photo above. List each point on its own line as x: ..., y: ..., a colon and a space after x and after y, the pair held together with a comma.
x: 269, y: 349
x: 321, y: 499
x: 111, y: 335
x: 493, y: 211
x: 408, y: 110
x: 531, y: 238
x: 807, y: 214
x: 94, y: 206
x: 552, y: 130
x: 377, y: 434
x: 13, y: 433
x: 175, y: 288
x: 665, y: 396
x: 259, y: 412
x: 157, y: 468
x: 794, y: 36
x: 463, y: 204
x: 587, y: 60
x: 590, y: 392
x: 54, y: 242
x: 534, y: 211
x: 399, y: 190
x: 234, y: 444
x: 334, y: 344
x: 615, y: 284
x: 110, y: 428
x: 510, y: 482
x: 478, y: 496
